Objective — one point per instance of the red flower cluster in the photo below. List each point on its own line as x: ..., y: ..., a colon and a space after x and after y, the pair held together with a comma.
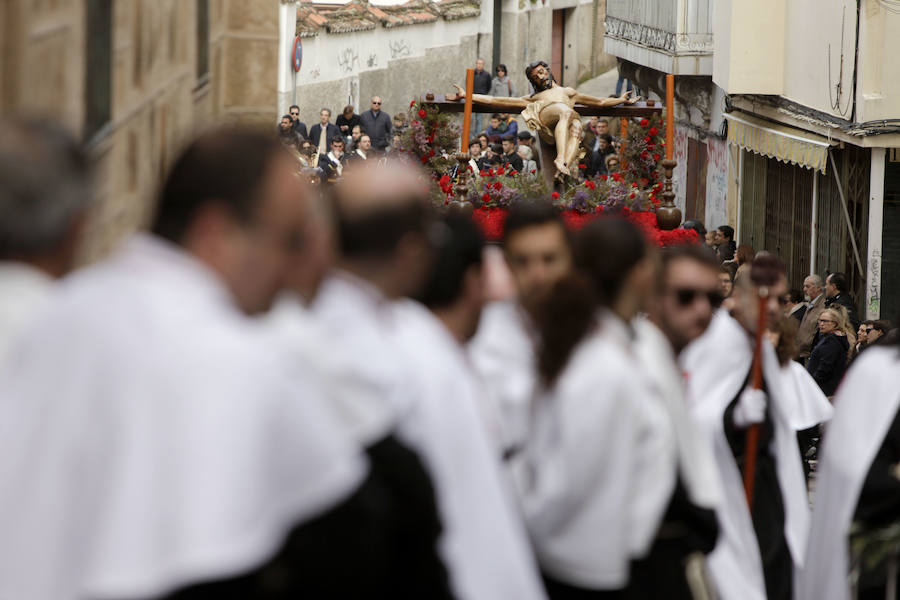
x: 446, y: 185
x: 590, y: 184
x: 422, y: 114
x: 645, y: 122
x: 491, y: 221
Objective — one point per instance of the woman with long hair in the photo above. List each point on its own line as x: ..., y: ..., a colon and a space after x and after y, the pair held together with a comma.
x: 501, y: 84
x: 828, y: 359
x: 595, y: 478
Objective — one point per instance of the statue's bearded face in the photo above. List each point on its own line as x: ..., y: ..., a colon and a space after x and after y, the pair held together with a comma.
x: 540, y: 78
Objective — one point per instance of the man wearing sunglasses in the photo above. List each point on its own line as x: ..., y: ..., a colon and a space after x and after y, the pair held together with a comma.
x: 299, y: 126
x: 679, y: 313
x: 377, y: 124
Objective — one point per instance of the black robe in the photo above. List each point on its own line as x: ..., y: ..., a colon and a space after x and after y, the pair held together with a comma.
x: 879, y: 503
x: 381, y: 543
x: 685, y: 529
x: 768, y: 505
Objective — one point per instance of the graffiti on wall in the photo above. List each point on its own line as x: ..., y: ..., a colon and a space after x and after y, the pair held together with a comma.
x: 716, y: 181
x: 348, y: 59
x: 873, y: 286
x: 399, y: 48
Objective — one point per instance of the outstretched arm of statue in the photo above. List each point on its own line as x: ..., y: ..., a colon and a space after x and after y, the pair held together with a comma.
x: 498, y: 102
x: 603, y: 102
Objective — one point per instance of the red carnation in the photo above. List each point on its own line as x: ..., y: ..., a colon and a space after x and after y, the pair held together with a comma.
x: 631, y: 195
x: 656, y: 157
x: 498, y: 186
x: 482, y: 173
x: 647, y: 139
x: 590, y: 184
x: 645, y: 155
x: 555, y: 195
x: 604, y: 177
x: 412, y: 103
x: 513, y: 172
x: 424, y: 159
x: 644, y: 122
x: 501, y: 171
x: 485, y: 197
x: 469, y: 168
x: 582, y: 166
x: 533, y: 171
x: 422, y: 113
x: 654, y: 131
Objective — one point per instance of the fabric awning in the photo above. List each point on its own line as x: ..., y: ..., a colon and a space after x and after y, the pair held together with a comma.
x: 780, y: 142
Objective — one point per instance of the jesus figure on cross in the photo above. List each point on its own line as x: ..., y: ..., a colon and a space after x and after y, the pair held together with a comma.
x: 551, y: 111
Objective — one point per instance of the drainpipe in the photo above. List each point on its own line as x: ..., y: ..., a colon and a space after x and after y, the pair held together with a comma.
x: 498, y: 17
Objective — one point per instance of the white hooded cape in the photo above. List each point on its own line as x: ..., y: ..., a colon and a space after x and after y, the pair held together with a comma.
x: 690, y: 453
x: 593, y: 485
x: 865, y: 406
x: 150, y: 438
x: 805, y: 404
x: 503, y: 354
x: 716, y: 365
x: 484, y: 542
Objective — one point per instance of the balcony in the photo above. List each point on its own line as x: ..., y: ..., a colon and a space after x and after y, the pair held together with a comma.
x: 672, y: 36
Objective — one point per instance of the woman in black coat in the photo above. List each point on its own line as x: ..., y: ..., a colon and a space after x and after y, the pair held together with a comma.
x: 828, y: 359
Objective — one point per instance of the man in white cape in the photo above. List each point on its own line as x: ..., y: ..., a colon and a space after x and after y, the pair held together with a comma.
x: 152, y: 440
x: 41, y: 217
x: 536, y: 249
x: 717, y: 366
x: 484, y: 542
x: 857, y: 476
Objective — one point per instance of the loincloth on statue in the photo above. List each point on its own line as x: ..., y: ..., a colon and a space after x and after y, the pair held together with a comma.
x: 532, y: 116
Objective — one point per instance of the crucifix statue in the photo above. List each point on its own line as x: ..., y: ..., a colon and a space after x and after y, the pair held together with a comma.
x: 550, y: 111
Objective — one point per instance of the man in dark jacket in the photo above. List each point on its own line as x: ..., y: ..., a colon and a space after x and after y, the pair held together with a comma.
x: 378, y: 125
x: 299, y: 126
x: 482, y: 85
x: 836, y: 292
x: 510, y: 156
x: 323, y: 133
x: 725, y: 244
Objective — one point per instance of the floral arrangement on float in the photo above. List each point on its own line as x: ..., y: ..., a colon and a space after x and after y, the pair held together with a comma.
x: 633, y: 192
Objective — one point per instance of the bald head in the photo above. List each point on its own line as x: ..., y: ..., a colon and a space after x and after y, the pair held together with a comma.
x: 383, y: 217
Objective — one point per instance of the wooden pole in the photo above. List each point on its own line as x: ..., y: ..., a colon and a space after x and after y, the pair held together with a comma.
x: 467, y: 115
x: 752, y: 445
x: 670, y: 115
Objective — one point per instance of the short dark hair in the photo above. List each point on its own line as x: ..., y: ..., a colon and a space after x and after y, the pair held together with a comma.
x: 607, y: 137
x: 524, y: 135
x: 224, y: 166
x: 288, y: 117
x: 691, y: 223
x: 376, y: 233
x: 474, y: 141
x: 45, y: 185
x: 293, y: 106
x: 502, y: 67
x: 698, y: 254
x: 496, y: 116
x: 530, y: 214
x: 459, y: 244
x: 727, y: 231
x: 882, y: 325
x: 838, y: 280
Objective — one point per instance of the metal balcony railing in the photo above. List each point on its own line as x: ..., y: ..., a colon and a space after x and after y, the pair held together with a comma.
x: 678, y: 27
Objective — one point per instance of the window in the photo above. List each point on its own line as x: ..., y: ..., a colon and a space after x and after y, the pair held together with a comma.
x: 98, y: 67
x: 202, y: 40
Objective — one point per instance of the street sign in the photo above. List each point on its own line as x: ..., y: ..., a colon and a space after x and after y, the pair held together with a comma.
x: 297, y: 54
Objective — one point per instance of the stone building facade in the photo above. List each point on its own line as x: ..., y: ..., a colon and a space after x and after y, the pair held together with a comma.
x: 135, y: 79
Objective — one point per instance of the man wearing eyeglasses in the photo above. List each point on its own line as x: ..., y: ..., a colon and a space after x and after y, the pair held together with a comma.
x: 377, y: 124
x: 299, y: 126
